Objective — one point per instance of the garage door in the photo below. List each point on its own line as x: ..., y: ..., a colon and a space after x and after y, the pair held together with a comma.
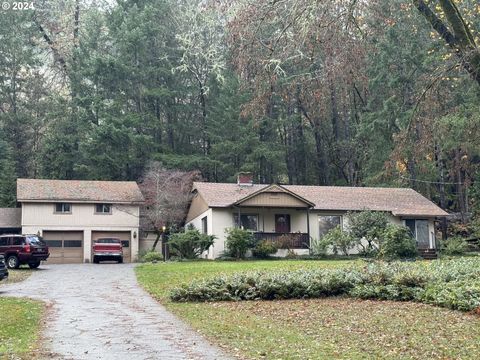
x: 66, y: 247
x: 124, y: 236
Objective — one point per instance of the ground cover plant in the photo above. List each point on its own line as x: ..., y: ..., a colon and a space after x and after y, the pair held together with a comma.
x: 326, y: 328
x: 454, y: 284
x: 20, y: 326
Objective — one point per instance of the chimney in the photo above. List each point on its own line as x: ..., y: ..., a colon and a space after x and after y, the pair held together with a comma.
x: 245, y: 179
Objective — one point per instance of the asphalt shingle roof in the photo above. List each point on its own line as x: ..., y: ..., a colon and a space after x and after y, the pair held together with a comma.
x: 398, y: 201
x: 78, y: 191
x: 10, y: 218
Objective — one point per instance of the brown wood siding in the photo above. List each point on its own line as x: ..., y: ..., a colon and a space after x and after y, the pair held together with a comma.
x: 65, y: 254
x: 274, y: 199
x: 122, y: 235
x: 197, y: 207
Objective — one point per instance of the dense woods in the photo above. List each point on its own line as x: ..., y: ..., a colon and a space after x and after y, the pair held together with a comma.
x: 337, y: 92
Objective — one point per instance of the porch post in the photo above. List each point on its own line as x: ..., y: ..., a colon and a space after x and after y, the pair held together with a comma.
x: 239, y: 225
x: 308, y: 227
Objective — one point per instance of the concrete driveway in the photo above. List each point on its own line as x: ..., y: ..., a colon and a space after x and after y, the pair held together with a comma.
x: 100, y: 312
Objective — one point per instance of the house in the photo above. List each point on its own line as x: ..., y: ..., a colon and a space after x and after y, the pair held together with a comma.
x: 297, y: 213
x: 70, y: 214
x: 10, y: 221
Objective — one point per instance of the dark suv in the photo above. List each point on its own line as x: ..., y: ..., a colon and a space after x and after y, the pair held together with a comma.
x: 23, y: 249
x: 3, y: 268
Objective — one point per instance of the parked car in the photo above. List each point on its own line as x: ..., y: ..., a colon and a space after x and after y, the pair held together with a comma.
x: 23, y: 249
x: 107, y: 249
x: 3, y: 268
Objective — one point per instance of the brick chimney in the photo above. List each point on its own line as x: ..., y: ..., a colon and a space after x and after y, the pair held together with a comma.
x: 245, y: 179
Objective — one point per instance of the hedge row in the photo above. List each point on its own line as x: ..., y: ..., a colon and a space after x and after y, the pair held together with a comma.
x: 454, y: 284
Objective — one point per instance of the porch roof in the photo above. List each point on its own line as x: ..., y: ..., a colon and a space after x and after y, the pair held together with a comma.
x: 398, y: 201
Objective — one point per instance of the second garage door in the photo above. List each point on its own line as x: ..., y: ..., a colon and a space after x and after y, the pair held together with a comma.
x: 66, y: 247
x: 124, y: 236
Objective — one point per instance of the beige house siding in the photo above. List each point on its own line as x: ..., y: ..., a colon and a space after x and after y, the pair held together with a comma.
x: 197, y: 207
x: 220, y: 219
x: 274, y: 199
x: 39, y: 217
x: 82, y: 214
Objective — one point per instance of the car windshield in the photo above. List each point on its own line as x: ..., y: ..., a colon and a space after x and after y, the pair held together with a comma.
x: 107, y: 241
x: 35, y: 240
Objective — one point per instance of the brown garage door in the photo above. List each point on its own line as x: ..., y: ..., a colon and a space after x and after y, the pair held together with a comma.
x: 124, y: 236
x: 66, y: 247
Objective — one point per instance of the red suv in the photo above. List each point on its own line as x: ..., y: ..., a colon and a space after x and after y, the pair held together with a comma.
x: 23, y: 249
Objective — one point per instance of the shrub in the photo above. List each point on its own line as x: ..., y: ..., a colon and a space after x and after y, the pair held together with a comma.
x: 264, y: 248
x: 151, y: 256
x: 238, y: 242
x: 455, y: 246
x: 368, y: 225
x: 319, y: 247
x: 454, y: 284
x: 190, y: 244
x: 397, y: 243
x: 339, y: 240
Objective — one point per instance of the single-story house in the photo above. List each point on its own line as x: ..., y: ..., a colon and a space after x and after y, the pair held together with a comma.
x: 272, y: 211
x: 71, y: 214
x: 10, y: 221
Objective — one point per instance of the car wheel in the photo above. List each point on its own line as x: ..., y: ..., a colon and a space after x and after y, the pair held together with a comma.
x: 34, y: 265
x: 13, y: 262
x: 95, y: 260
x: 120, y: 261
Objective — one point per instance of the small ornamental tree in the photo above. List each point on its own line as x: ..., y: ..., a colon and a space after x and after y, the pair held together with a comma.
x: 167, y: 195
x: 368, y: 226
x: 190, y: 244
x: 339, y: 240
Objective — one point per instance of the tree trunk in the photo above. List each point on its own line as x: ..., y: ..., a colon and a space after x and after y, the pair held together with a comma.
x: 441, y: 174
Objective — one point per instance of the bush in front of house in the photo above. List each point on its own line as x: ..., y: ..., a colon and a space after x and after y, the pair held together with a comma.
x: 454, y: 246
x: 237, y: 243
x: 150, y: 256
x: 367, y: 226
x: 397, y: 242
x: 189, y: 244
x: 264, y: 249
x: 339, y: 240
x: 454, y: 284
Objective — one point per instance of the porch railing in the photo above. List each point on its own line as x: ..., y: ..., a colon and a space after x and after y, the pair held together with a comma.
x: 285, y: 240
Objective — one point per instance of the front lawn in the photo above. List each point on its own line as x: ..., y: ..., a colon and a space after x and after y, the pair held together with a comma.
x: 313, y: 329
x: 19, y: 327
x: 17, y: 275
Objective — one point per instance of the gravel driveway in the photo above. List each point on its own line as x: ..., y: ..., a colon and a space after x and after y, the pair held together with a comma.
x: 100, y: 312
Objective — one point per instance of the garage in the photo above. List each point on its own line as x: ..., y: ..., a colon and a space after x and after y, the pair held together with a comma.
x: 66, y: 247
x: 124, y: 236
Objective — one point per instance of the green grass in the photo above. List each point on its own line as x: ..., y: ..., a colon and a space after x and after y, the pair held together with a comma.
x: 19, y: 326
x: 17, y: 275
x: 314, y: 329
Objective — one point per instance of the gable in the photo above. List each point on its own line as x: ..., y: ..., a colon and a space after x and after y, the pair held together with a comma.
x: 197, y: 207
x: 274, y: 196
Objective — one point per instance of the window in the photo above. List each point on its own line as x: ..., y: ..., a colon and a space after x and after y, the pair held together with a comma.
x: 204, y: 225
x: 72, y: 243
x: 247, y: 221
x: 125, y: 243
x: 54, y: 243
x: 4, y: 241
x: 63, y: 208
x: 18, y: 240
x: 328, y: 222
x: 103, y: 209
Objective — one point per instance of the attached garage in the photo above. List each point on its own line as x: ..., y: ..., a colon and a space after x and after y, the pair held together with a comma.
x: 124, y: 236
x: 66, y: 247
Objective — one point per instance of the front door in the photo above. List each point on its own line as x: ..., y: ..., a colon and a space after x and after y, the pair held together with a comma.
x: 423, y: 241
x: 282, y: 223
x: 419, y: 230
